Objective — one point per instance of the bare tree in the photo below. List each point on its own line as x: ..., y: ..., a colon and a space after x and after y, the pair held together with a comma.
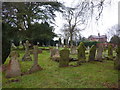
x: 77, y: 18
x: 114, y: 34
x: 114, y: 30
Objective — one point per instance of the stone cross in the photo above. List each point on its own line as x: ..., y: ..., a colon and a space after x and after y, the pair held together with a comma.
x: 27, y: 56
x: 13, y: 68
x: 27, y: 46
x: 36, y: 66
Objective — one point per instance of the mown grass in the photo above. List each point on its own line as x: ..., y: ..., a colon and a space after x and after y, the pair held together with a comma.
x: 88, y: 75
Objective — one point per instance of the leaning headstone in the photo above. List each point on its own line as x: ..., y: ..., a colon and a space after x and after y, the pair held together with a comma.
x: 64, y: 58
x: 99, y: 53
x: 81, y: 52
x: 117, y: 60
x: 54, y: 52
x: 27, y: 56
x: 36, y: 66
x: 110, y: 52
x: 92, y: 53
x: 13, y: 68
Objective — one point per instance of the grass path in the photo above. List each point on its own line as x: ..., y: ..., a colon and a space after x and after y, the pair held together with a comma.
x: 88, y: 75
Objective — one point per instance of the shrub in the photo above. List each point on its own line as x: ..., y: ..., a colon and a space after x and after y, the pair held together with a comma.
x: 117, y: 60
x: 110, y: 52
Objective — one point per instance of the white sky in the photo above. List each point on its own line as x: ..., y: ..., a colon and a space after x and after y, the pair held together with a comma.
x: 109, y: 18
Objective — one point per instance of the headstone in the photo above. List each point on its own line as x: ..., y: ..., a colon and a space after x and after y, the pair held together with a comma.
x: 54, y: 52
x: 13, y: 68
x: 110, y: 52
x: 99, y: 52
x: 43, y: 45
x: 73, y: 50
x: 57, y: 46
x: 117, y: 60
x: 92, y: 53
x: 27, y: 56
x: 64, y: 58
x: 39, y: 51
x: 88, y: 48
x: 38, y: 43
x: 81, y: 52
x: 13, y: 46
x: 104, y: 52
x: 36, y: 66
x: 20, y: 46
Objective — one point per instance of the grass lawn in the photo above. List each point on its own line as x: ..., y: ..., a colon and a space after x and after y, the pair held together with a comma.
x: 88, y: 75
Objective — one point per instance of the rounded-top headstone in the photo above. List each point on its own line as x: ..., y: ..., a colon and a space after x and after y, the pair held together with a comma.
x: 64, y: 57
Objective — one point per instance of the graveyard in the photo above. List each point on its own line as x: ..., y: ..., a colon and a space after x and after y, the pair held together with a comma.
x: 60, y: 44
x: 86, y: 75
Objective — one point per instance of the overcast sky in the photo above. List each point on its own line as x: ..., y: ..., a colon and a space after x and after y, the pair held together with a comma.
x: 108, y: 18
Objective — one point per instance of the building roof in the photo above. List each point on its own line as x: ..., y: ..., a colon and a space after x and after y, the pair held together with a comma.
x: 94, y: 36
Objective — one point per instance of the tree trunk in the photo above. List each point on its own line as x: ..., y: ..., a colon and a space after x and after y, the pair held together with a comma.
x: 71, y: 39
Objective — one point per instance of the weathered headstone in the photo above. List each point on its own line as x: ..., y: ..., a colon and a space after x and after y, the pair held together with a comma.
x: 13, y: 68
x: 57, y: 46
x: 117, y: 60
x: 54, y: 52
x: 39, y: 51
x: 36, y: 66
x: 27, y: 56
x: 99, y: 52
x: 13, y: 46
x: 92, y: 53
x: 38, y: 43
x: 73, y: 50
x: 88, y: 48
x: 64, y: 58
x: 104, y: 52
x: 81, y: 52
x: 110, y: 52
x: 20, y: 45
